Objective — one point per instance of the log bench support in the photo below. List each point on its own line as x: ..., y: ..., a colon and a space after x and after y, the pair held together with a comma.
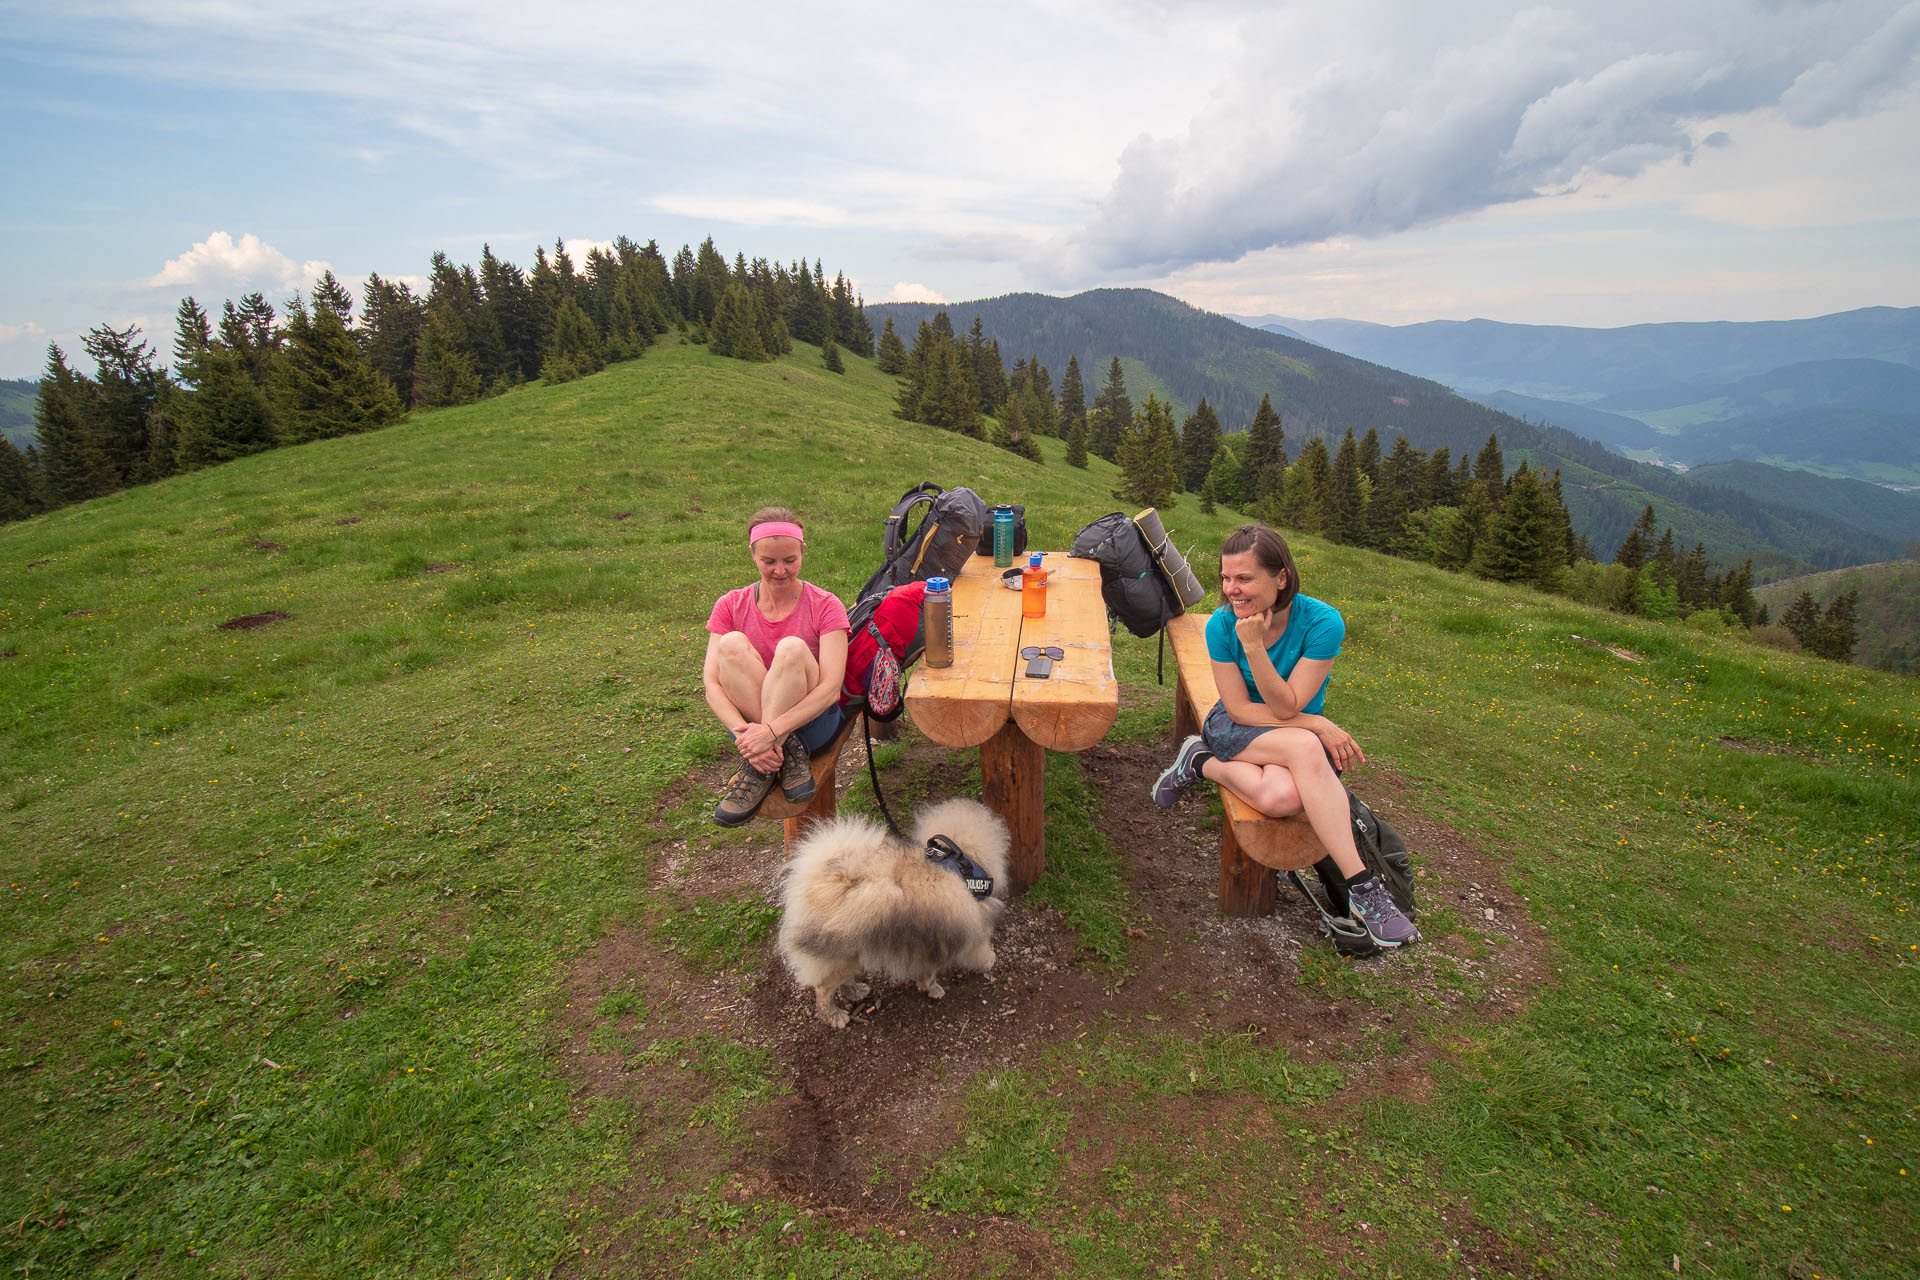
x: 1252, y: 845
x: 796, y: 818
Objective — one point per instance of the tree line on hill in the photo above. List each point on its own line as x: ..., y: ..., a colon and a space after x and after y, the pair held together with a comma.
x: 260, y: 377
x: 1471, y: 516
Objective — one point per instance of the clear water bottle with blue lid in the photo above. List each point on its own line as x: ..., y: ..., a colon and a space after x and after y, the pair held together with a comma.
x: 936, y: 620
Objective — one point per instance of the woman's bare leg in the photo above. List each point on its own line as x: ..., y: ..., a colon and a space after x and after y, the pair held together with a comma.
x: 742, y: 675
x: 1315, y: 786
x: 791, y: 678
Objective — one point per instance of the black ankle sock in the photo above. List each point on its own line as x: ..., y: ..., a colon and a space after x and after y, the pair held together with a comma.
x: 1362, y: 881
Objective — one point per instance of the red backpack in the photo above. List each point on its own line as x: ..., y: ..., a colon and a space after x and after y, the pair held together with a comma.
x: 883, y: 639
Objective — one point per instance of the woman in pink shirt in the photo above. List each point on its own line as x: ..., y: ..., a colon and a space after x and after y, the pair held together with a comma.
x: 775, y: 658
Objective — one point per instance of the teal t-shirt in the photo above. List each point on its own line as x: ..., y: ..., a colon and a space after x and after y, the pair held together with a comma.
x: 1314, y: 630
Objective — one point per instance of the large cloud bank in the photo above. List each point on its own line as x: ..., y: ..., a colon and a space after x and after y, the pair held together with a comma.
x: 1373, y: 118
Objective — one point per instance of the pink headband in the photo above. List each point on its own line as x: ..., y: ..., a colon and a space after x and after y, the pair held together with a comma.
x: 776, y: 529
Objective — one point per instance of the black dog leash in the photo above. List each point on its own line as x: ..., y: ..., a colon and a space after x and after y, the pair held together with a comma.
x: 941, y: 850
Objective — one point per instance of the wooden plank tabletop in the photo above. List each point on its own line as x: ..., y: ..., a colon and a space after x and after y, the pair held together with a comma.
x: 1075, y: 706
x: 965, y: 704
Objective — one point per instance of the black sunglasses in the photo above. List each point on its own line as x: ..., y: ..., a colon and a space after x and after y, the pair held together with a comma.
x: 1053, y: 651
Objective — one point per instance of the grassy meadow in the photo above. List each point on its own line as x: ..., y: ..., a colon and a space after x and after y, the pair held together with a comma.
x: 290, y: 911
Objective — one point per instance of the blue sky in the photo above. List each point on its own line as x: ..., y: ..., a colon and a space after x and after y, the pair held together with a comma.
x: 1578, y: 163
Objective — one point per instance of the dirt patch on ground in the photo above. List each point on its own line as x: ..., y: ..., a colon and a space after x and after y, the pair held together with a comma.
x: 1769, y: 749
x: 267, y: 545
x: 247, y: 622
x: 862, y: 1111
x: 448, y: 567
x: 348, y: 520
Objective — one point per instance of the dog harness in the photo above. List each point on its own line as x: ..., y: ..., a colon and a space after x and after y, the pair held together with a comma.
x: 943, y: 852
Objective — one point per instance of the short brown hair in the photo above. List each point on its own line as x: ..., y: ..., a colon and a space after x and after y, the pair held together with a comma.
x: 1270, y: 552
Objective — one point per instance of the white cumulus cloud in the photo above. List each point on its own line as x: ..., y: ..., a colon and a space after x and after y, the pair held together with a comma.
x: 907, y: 291
x: 221, y: 262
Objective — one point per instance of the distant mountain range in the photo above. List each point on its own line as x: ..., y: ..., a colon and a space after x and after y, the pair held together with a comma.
x: 1838, y: 395
x: 1319, y: 390
x: 1559, y: 362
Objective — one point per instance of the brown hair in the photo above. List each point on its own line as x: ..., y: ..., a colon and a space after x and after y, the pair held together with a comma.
x: 1270, y: 552
x: 765, y: 514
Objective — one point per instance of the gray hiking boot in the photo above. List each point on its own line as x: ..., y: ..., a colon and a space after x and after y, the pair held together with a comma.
x: 796, y: 771
x: 746, y: 789
x: 1373, y: 908
x: 1182, y: 773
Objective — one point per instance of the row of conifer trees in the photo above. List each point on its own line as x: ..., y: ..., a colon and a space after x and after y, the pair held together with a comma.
x: 259, y: 377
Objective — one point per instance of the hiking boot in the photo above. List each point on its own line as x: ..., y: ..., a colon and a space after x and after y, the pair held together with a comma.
x: 1182, y: 773
x: 796, y: 771
x: 746, y: 789
x: 1373, y: 909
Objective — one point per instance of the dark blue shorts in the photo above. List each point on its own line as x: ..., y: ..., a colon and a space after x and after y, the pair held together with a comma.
x: 819, y: 731
x: 1227, y: 737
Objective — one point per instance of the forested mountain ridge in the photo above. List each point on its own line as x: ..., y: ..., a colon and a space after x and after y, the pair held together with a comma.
x: 1319, y: 391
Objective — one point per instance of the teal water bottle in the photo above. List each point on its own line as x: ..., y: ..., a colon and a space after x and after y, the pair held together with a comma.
x: 1003, y: 537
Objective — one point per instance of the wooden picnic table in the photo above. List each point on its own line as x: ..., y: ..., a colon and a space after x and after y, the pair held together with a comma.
x: 985, y: 699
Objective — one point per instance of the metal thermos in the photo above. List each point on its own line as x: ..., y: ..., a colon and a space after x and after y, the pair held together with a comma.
x: 1003, y: 537
x: 937, y: 620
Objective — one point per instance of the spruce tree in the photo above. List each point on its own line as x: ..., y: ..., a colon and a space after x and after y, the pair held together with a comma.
x: 1112, y: 414
x: 574, y: 350
x: 1077, y: 442
x: 1490, y: 471
x: 915, y: 375
x: 735, y: 330
x: 1370, y: 456
x: 1222, y: 485
x: 227, y: 416
x: 892, y: 357
x: 1461, y: 540
x: 1073, y: 395
x: 1803, y: 619
x: 73, y: 465
x: 1303, y: 496
x: 1149, y: 467
x: 126, y: 388
x: 1736, y: 594
x: 1199, y: 441
x: 505, y: 296
x: 1522, y: 541
x: 1264, y: 461
x: 250, y: 331
x: 323, y: 386
x: 392, y: 323
x: 1393, y: 495
x: 1341, y: 513
x: 830, y: 355
x: 1834, y: 639
x: 1638, y: 544
x: 1436, y: 488
x: 17, y: 500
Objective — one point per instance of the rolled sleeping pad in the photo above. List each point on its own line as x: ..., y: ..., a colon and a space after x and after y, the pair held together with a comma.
x: 1172, y: 563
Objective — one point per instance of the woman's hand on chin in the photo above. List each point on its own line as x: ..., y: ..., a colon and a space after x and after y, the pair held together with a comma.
x: 1252, y: 629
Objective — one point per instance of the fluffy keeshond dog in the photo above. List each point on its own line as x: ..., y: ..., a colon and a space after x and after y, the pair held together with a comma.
x: 860, y: 900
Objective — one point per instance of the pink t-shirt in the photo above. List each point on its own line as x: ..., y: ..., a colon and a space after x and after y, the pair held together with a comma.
x: 818, y: 612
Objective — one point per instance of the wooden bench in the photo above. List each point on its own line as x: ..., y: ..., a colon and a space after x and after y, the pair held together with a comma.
x: 798, y: 817
x: 1252, y: 845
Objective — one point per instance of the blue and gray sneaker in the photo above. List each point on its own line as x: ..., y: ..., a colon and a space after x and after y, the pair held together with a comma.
x: 1182, y: 773
x: 1374, y: 909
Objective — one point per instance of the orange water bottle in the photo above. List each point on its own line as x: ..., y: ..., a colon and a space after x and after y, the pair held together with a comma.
x: 1033, y: 589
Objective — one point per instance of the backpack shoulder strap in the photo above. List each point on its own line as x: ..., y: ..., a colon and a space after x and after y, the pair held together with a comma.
x: 896, y: 538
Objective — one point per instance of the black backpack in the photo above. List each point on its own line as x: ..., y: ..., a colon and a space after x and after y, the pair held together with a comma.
x: 1385, y: 854
x: 1132, y: 583
x: 939, y: 545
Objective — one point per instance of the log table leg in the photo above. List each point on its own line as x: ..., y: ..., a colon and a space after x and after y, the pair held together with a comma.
x: 821, y: 810
x: 1013, y: 783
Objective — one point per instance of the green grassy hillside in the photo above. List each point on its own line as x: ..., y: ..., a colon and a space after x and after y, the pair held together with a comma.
x: 310, y: 928
x: 1888, y: 620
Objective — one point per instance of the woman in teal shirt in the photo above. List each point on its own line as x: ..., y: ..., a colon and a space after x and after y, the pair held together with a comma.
x: 1266, y: 739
